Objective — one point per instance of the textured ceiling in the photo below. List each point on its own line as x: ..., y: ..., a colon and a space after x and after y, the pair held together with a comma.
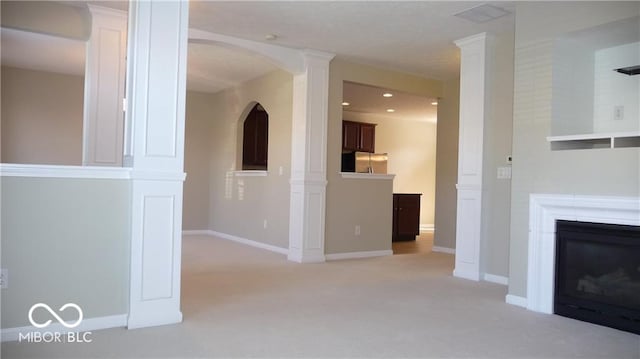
x: 368, y: 100
x: 413, y: 37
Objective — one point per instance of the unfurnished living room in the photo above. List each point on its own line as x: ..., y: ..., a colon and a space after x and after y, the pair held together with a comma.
x: 427, y: 179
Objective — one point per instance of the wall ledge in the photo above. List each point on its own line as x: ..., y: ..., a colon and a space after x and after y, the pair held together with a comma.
x: 250, y: 173
x: 54, y: 171
x: 368, y: 176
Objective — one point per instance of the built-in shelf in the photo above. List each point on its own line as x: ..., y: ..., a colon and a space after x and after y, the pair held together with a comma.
x: 368, y: 176
x: 251, y: 173
x: 595, y: 140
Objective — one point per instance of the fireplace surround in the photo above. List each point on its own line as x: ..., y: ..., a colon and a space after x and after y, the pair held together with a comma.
x: 597, y: 273
x: 544, y: 211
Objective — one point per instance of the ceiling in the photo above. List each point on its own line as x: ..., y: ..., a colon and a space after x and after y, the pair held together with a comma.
x: 412, y: 37
x: 369, y: 100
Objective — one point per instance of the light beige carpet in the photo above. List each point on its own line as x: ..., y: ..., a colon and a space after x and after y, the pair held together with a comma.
x: 239, y: 301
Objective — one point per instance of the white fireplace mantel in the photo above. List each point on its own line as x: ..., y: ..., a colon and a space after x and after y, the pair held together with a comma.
x: 544, y: 211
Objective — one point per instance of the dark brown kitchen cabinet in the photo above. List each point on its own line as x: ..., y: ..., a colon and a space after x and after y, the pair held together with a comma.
x: 358, y: 136
x: 406, y: 216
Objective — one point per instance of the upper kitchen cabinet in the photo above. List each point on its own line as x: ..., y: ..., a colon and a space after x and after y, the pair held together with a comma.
x: 358, y: 136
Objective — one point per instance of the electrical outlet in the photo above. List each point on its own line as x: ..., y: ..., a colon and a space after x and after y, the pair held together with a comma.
x: 264, y: 224
x: 4, y: 278
x: 357, y: 229
x: 618, y: 113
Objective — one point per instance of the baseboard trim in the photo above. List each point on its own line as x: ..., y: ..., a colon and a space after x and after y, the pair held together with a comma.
x: 427, y: 227
x: 196, y: 232
x: 498, y: 279
x: 146, y: 318
x: 250, y: 242
x: 466, y: 275
x: 516, y: 300
x: 443, y: 250
x: 90, y: 324
x: 353, y: 255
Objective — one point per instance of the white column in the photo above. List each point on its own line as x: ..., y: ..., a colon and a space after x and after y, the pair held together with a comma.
x: 104, y: 88
x: 473, y: 100
x: 156, y: 90
x: 309, y: 159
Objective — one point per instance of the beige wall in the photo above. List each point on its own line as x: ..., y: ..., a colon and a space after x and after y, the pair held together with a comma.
x: 447, y: 165
x: 197, y: 151
x: 411, y: 147
x: 496, y: 194
x: 65, y: 240
x: 239, y: 205
x: 41, y: 117
x: 352, y: 202
x: 537, y: 169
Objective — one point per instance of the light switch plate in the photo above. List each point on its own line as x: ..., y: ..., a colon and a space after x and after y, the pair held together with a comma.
x: 4, y: 278
x: 504, y: 172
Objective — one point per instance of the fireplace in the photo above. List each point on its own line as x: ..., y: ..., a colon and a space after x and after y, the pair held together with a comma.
x: 597, y: 275
x: 545, y: 210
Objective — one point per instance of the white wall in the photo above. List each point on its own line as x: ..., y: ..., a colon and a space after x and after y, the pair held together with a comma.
x: 613, y: 89
x: 572, y: 88
x: 537, y: 169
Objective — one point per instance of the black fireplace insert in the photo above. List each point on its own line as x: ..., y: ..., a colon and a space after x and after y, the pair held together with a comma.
x: 598, y: 274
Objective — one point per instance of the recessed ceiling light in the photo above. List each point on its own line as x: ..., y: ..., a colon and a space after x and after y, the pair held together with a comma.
x: 270, y: 37
x: 482, y: 13
x: 345, y: 104
x: 434, y: 103
x: 387, y: 94
x: 391, y: 110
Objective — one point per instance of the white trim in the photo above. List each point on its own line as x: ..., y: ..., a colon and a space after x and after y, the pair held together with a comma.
x: 544, y: 211
x: 466, y: 274
x: 498, y: 279
x: 153, y: 175
x: 196, y: 232
x: 54, y: 171
x: 250, y: 173
x: 97, y: 323
x: 289, y: 59
x: 574, y: 141
x: 427, y: 227
x: 475, y: 56
x: 352, y: 255
x: 516, y: 300
x: 443, y: 250
x: 368, y: 176
x: 249, y: 242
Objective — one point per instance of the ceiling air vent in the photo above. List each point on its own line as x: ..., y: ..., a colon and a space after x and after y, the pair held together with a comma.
x: 631, y: 70
x: 482, y: 13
